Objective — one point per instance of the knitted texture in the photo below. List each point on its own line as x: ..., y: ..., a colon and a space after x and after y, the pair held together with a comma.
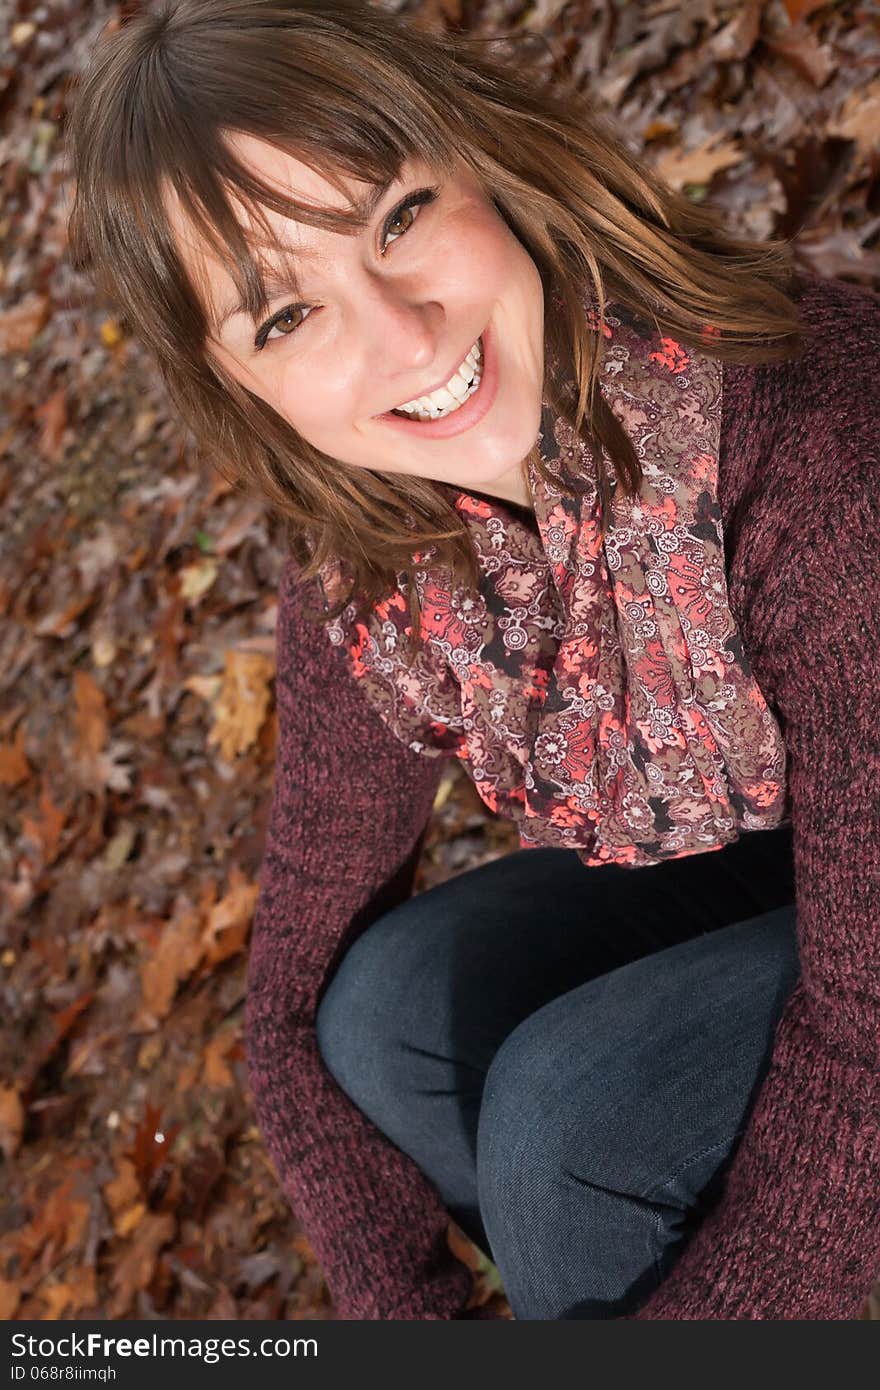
x: 796, y: 1231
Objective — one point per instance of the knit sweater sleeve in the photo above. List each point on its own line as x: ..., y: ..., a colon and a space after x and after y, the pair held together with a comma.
x: 349, y: 807
x: 796, y: 1233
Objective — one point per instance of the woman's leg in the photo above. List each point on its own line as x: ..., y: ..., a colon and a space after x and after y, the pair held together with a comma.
x: 610, y: 1115
x: 423, y: 1000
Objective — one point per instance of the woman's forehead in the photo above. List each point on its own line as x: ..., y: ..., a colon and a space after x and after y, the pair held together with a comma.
x: 283, y: 173
x: 287, y: 175
x: 293, y: 177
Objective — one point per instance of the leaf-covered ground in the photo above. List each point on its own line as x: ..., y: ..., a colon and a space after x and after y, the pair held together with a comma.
x: 138, y: 604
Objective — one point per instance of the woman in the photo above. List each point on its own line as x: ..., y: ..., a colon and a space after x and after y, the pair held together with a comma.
x: 581, y: 490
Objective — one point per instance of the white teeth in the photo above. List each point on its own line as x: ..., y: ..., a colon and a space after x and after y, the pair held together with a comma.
x: 459, y: 387
x: 451, y: 396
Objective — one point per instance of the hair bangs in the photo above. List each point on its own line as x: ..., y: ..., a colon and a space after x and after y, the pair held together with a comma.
x: 349, y: 122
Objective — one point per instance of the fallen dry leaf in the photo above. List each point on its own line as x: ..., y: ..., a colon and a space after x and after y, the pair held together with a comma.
x: 57, y: 1298
x: 22, y: 33
x: 90, y: 718
x: 134, y: 1268
x: 699, y: 166
x: 197, y: 579
x: 814, y: 61
x: 151, y: 1147
x: 800, y: 9
x: 14, y: 766
x: 234, y: 532
x: 56, y: 1027
x: 229, y: 920
x: 52, y: 414
x: 10, y: 1297
x: 122, y: 1191
x: 111, y: 333
x: 462, y: 1248
x: 21, y: 324
x: 215, y: 1072
x: 171, y: 962
x: 45, y: 831
x: 206, y: 687
x: 243, y: 702
x: 127, y: 1220
x: 11, y: 1120
x: 59, y: 1224
x: 859, y: 120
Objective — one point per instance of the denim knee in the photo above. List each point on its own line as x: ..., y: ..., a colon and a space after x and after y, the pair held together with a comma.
x: 608, y: 1115
x: 360, y: 1019
x: 551, y: 1137
x: 523, y: 1138
x: 624, y: 1077
x: 383, y: 1025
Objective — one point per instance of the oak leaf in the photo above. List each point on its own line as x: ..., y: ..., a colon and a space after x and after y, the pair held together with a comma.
x: 243, y: 702
x: 229, y: 920
x: 175, y: 958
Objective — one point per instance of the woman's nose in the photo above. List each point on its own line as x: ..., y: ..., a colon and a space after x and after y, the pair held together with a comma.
x: 402, y: 331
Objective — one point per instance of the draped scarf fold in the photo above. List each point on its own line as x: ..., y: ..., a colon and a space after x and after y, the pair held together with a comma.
x: 597, y: 692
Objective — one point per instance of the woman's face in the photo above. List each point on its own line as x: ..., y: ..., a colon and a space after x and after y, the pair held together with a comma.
x: 388, y: 315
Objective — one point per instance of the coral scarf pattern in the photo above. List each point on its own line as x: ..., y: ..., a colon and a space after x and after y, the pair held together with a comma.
x: 597, y: 692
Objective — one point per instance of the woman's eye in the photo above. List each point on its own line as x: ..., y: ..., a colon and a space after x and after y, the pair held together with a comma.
x: 288, y: 320
x: 404, y: 215
x: 292, y: 317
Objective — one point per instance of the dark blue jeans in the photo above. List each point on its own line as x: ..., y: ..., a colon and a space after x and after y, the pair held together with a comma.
x: 570, y: 1054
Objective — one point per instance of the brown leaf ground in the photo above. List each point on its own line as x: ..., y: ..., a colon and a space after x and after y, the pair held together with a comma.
x: 137, y: 595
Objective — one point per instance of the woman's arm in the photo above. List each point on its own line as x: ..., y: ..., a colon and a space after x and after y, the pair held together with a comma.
x: 796, y: 1234
x: 349, y: 807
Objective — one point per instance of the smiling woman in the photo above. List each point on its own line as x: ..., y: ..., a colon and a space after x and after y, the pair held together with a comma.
x: 574, y: 507
x: 425, y: 324
x: 217, y: 141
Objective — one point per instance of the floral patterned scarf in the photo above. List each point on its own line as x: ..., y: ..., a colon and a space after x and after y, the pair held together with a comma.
x: 597, y: 692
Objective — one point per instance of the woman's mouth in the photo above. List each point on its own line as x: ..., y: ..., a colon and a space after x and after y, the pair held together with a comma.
x: 457, y: 406
x: 450, y: 397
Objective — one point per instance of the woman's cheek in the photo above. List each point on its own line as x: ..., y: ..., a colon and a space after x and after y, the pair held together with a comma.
x: 315, y: 412
x: 300, y: 399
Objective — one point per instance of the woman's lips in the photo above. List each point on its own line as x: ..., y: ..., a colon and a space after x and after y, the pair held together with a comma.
x: 467, y: 415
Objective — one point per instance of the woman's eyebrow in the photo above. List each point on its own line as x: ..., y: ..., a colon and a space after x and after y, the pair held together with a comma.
x: 275, y: 282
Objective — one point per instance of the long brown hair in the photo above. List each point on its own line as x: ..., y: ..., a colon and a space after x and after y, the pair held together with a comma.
x: 353, y: 90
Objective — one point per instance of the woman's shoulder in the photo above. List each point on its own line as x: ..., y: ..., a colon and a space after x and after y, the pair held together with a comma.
x: 841, y: 360
x: 312, y: 672
x: 798, y: 451
x: 316, y: 684
x: 300, y: 637
x: 819, y: 295
x: 832, y: 383
x: 797, y: 432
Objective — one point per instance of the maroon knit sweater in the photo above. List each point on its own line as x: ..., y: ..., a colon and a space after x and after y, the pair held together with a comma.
x: 796, y: 1233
